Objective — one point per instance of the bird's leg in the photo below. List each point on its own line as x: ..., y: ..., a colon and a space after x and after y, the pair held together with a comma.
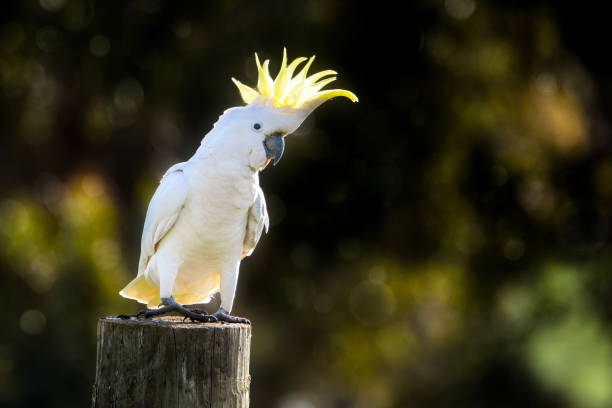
x: 171, y: 305
x: 222, y: 316
x: 229, y: 278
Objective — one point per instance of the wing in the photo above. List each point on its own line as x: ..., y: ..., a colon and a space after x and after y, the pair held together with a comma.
x: 164, y: 210
x: 257, y: 220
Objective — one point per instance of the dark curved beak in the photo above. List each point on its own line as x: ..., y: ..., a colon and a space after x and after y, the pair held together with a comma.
x: 274, y: 146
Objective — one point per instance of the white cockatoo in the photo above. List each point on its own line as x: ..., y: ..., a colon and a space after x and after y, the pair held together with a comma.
x: 209, y: 212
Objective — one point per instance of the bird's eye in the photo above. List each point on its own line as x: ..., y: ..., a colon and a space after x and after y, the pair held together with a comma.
x: 257, y: 125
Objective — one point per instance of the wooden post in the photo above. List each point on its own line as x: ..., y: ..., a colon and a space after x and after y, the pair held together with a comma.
x: 170, y: 363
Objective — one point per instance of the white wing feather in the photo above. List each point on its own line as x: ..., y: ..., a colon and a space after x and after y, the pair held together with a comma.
x: 257, y: 220
x: 164, y: 209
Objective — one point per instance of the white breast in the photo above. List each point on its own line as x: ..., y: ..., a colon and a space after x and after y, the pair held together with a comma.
x: 210, y: 230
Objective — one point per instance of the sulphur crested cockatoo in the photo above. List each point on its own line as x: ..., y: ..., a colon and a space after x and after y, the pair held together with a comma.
x: 209, y: 212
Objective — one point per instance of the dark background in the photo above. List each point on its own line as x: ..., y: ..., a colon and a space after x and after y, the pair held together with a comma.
x: 444, y: 242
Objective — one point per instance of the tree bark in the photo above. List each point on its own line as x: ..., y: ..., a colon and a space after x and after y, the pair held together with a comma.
x: 170, y: 363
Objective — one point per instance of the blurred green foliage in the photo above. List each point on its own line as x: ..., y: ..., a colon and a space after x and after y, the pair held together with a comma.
x: 445, y: 242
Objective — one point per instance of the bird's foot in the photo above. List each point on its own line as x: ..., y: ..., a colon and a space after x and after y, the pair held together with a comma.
x: 223, y: 316
x: 200, y: 311
x: 170, y: 305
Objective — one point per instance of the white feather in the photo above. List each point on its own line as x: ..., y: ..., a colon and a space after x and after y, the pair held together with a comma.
x: 257, y: 221
x: 163, y: 211
x: 206, y: 215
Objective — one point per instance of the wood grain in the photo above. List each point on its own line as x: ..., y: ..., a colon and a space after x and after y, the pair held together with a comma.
x: 170, y: 363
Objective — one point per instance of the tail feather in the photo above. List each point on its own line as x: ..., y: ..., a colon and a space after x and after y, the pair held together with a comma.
x: 141, y: 290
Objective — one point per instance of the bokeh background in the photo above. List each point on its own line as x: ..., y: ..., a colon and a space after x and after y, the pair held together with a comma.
x: 444, y: 242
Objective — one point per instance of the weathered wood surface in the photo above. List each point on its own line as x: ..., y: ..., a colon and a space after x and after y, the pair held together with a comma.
x: 170, y: 363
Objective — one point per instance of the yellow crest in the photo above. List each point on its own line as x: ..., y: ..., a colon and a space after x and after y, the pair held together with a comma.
x: 288, y: 90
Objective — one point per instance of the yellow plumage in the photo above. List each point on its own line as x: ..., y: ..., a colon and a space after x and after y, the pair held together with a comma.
x: 142, y: 291
x: 288, y: 90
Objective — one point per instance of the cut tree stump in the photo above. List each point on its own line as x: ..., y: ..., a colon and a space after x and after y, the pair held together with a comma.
x: 170, y: 363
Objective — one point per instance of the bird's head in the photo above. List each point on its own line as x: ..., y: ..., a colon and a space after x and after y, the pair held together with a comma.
x: 279, y: 106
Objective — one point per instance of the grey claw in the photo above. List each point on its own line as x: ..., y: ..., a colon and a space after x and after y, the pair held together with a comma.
x: 223, y: 316
x: 201, y: 318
